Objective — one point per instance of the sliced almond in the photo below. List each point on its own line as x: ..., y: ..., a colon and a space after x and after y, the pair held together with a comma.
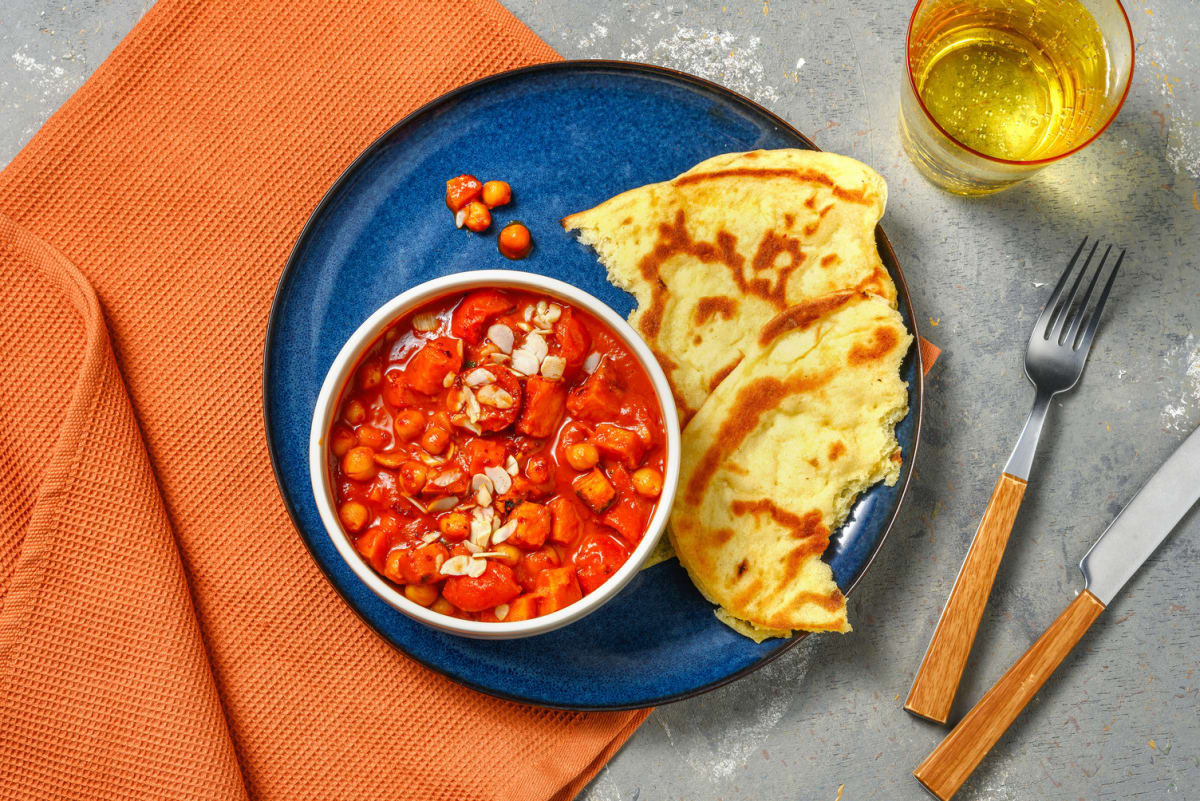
x: 499, y: 358
x: 462, y: 421
x: 448, y: 379
x: 502, y: 336
x: 481, y: 526
x: 591, y: 362
x: 535, y: 343
x: 472, y: 547
x: 528, y: 313
x: 494, y: 396
x: 444, y: 504
x: 483, y: 496
x: 476, y: 567
x: 553, y: 367
x: 553, y: 313
x: 478, y: 377
x: 432, y: 536
x: 526, y: 327
x: 456, y: 565
x: 472, y: 409
x: 488, y: 554
x: 480, y: 480
x: 501, y: 480
x: 460, y: 217
x: 425, y: 321
x: 501, y: 611
x: 510, y: 465
x: 416, y: 503
x: 446, y: 477
x: 504, y: 532
x: 524, y: 363
x: 391, y: 459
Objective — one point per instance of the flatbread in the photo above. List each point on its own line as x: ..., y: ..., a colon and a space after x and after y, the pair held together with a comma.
x: 777, y: 454
x: 716, y: 252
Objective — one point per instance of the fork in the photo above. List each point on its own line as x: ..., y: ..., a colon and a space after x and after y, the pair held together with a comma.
x: 1058, y: 349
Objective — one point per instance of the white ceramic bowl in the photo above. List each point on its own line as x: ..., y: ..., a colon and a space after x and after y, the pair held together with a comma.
x: 344, y: 365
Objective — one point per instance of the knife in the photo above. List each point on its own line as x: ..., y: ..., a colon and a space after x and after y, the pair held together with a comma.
x: 1123, y: 547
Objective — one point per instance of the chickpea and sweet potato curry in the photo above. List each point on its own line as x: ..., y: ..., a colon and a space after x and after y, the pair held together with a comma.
x: 498, y: 455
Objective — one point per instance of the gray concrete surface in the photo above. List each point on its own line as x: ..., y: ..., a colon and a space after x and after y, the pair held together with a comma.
x: 1122, y: 717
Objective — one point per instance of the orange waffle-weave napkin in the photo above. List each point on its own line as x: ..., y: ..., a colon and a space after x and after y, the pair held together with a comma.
x: 163, y: 633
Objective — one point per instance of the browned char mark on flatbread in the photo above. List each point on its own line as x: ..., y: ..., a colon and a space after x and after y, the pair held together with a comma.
x: 723, y: 373
x: 804, y: 314
x: 710, y: 305
x: 883, y: 339
x: 753, y: 401
x: 803, y: 176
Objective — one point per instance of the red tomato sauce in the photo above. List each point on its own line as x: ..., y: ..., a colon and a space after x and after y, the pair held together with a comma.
x: 497, y: 454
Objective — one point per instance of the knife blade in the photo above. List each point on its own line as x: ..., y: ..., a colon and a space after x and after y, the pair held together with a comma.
x: 1144, y: 523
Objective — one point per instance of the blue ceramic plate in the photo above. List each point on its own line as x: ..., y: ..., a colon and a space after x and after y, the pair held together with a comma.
x: 566, y: 136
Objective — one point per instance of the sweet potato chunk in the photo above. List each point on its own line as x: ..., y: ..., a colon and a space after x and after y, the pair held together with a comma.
x: 524, y: 607
x: 595, y: 490
x: 544, y: 404
x: 427, y: 369
x: 619, y: 444
x: 556, y: 588
x: 565, y: 521
x: 600, y: 397
x: 533, y: 526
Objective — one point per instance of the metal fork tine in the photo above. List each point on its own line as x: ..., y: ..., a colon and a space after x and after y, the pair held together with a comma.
x: 1060, y: 318
x: 1081, y: 310
x: 1090, y: 332
x: 1042, y: 326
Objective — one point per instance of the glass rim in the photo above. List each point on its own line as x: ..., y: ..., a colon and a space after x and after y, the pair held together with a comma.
x: 912, y: 82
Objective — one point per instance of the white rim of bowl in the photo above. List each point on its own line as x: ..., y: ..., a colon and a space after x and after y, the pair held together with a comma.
x: 347, y: 359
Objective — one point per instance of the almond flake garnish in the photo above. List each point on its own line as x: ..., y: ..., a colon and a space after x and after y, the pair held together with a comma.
x: 499, y: 358
x: 478, y: 377
x: 488, y: 554
x: 476, y: 567
x: 526, y: 327
x: 502, y: 336
x: 416, y: 503
x: 444, y: 504
x: 553, y: 313
x: 535, y: 344
x: 472, y: 547
x: 462, y: 421
x: 510, y: 465
x: 425, y: 321
x: 501, y: 611
x: 553, y: 367
x: 481, y: 526
x: 460, y: 217
x: 472, y: 409
x: 500, y: 479
x: 448, y: 380
x: 494, y: 396
x: 591, y: 362
x: 456, y: 565
x: 504, y: 532
x: 524, y: 363
x: 432, y: 536
x: 480, y: 480
x: 446, y: 477
x: 528, y: 313
x: 483, y: 497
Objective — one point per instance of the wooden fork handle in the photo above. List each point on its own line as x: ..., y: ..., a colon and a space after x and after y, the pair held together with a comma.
x: 941, y: 670
x: 949, y: 765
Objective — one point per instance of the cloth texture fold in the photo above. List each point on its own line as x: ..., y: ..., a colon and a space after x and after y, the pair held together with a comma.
x: 163, y: 632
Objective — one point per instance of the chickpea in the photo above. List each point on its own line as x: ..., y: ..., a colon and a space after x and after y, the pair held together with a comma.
x: 354, y: 515
x: 444, y: 607
x: 354, y: 412
x: 423, y: 594
x: 455, y: 526
x: 408, y: 424
x: 341, y: 439
x: 496, y: 193
x: 648, y: 482
x: 413, y: 476
x: 538, y: 469
x: 370, y: 374
x: 435, y: 439
x: 478, y: 218
x: 359, y: 463
x: 372, y: 437
x: 510, y: 554
x: 582, y: 456
x: 514, y: 241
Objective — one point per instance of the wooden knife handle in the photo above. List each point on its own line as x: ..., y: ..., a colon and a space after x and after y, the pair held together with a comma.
x: 937, y: 680
x: 949, y: 765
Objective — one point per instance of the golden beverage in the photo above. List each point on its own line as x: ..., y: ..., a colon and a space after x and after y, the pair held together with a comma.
x: 1012, y: 80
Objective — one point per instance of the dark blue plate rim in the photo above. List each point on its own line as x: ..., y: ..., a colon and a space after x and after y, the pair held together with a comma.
x: 886, y: 253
